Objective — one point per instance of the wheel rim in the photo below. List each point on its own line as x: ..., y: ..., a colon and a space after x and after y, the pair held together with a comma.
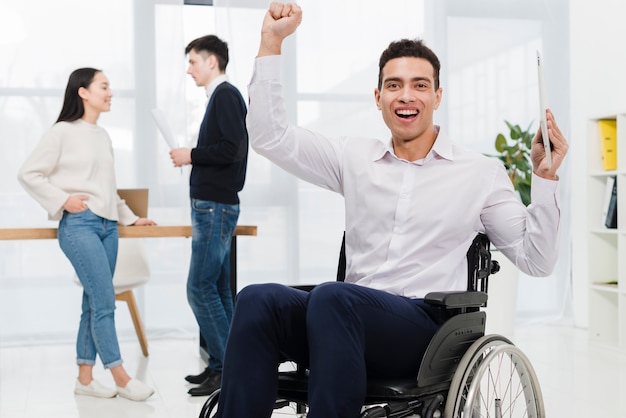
x: 503, y: 385
x: 497, y: 400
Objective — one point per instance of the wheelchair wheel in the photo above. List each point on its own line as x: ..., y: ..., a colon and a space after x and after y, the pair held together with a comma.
x: 494, y: 380
x: 209, y: 409
x: 288, y: 408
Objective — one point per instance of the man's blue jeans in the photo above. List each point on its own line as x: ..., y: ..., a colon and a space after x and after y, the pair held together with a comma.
x: 208, y: 285
x: 90, y: 243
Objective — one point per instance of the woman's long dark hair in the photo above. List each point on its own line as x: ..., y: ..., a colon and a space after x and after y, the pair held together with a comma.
x: 73, y: 108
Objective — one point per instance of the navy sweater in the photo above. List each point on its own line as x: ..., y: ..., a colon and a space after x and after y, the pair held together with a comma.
x: 219, y: 160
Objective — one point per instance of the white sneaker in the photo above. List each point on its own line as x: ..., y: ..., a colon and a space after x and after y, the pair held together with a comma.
x: 135, y: 390
x: 94, y: 388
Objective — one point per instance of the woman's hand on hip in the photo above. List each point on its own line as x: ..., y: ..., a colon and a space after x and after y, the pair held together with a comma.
x: 76, y: 203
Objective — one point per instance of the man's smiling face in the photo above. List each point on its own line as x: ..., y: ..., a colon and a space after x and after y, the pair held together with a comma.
x: 407, y: 97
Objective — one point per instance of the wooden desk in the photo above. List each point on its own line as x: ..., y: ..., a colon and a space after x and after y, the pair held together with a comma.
x: 156, y: 231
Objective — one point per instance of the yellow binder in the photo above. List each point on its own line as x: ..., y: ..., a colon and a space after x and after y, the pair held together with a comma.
x: 608, y: 136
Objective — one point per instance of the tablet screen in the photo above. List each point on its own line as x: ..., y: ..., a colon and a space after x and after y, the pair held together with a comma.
x: 542, y: 111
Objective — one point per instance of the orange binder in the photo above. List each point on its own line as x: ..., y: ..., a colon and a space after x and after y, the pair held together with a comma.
x: 608, y: 137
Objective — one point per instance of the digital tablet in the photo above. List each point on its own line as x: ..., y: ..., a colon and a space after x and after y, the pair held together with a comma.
x: 543, y: 105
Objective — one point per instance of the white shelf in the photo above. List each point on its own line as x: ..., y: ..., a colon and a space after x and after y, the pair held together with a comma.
x: 601, y: 287
x: 606, y: 247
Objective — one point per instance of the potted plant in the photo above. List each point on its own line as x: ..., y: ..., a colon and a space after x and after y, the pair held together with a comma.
x: 514, y: 152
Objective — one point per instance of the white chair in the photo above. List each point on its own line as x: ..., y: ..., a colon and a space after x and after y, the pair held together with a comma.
x: 132, y: 270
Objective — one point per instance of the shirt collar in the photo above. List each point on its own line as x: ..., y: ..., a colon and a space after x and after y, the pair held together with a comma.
x: 442, y: 148
x: 214, y: 83
x: 442, y: 145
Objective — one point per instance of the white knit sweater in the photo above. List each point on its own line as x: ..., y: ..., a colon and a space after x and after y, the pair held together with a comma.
x: 75, y: 158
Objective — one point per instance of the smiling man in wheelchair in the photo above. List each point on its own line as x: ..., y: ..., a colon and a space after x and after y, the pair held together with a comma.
x: 414, y: 204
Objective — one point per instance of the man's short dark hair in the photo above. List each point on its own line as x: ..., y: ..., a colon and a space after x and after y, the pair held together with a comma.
x: 211, y: 45
x: 408, y: 48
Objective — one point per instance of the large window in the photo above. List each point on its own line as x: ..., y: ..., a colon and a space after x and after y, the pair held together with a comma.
x: 330, y: 72
x: 492, y: 77
x: 138, y: 46
x: 494, y: 83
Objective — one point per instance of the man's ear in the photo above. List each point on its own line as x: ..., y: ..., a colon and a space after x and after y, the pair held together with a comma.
x: 438, y: 99
x: 211, y: 61
x: 377, y: 98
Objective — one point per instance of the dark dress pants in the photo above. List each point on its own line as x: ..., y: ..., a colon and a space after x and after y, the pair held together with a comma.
x: 343, y: 333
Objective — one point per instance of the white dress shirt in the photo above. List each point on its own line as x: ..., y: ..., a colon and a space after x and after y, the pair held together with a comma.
x: 408, y: 224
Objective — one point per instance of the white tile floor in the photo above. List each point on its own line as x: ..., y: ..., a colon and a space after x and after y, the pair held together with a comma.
x: 579, y: 380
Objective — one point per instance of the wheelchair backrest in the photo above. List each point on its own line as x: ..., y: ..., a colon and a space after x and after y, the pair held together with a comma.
x: 479, y: 264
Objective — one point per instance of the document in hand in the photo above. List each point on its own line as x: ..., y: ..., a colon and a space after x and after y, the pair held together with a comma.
x: 543, y: 105
x: 161, y: 121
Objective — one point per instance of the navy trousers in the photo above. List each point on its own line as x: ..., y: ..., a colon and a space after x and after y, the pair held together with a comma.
x: 343, y: 333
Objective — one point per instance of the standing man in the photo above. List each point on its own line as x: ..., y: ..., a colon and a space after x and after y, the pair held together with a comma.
x: 217, y: 175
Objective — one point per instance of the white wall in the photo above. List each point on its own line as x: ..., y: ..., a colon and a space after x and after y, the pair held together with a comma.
x: 598, y: 87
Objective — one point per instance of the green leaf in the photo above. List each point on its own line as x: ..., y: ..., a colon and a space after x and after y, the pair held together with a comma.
x: 500, y: 143
x: 524, y: 165
x: 528, y: 139
x: 516, y: 132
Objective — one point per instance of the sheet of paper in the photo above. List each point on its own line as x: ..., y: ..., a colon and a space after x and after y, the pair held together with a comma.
x: 543, y: 105
x: 161, y: 121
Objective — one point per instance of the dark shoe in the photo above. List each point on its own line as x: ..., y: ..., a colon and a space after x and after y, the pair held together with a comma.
x: 199, y: 378
x: 210, y: 385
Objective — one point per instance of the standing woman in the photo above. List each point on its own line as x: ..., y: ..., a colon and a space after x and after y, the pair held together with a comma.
x: 71, y: 174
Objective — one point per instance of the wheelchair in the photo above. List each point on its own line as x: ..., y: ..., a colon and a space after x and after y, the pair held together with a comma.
x: 463, y: 374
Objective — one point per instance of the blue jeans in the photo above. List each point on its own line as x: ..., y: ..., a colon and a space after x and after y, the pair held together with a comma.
x: 208, y: 284
x: 90, y: 243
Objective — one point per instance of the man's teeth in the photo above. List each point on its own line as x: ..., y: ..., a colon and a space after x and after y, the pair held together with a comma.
x: 406, y: 112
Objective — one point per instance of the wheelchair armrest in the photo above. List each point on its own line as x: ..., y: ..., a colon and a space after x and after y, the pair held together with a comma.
x: 456, y: 299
